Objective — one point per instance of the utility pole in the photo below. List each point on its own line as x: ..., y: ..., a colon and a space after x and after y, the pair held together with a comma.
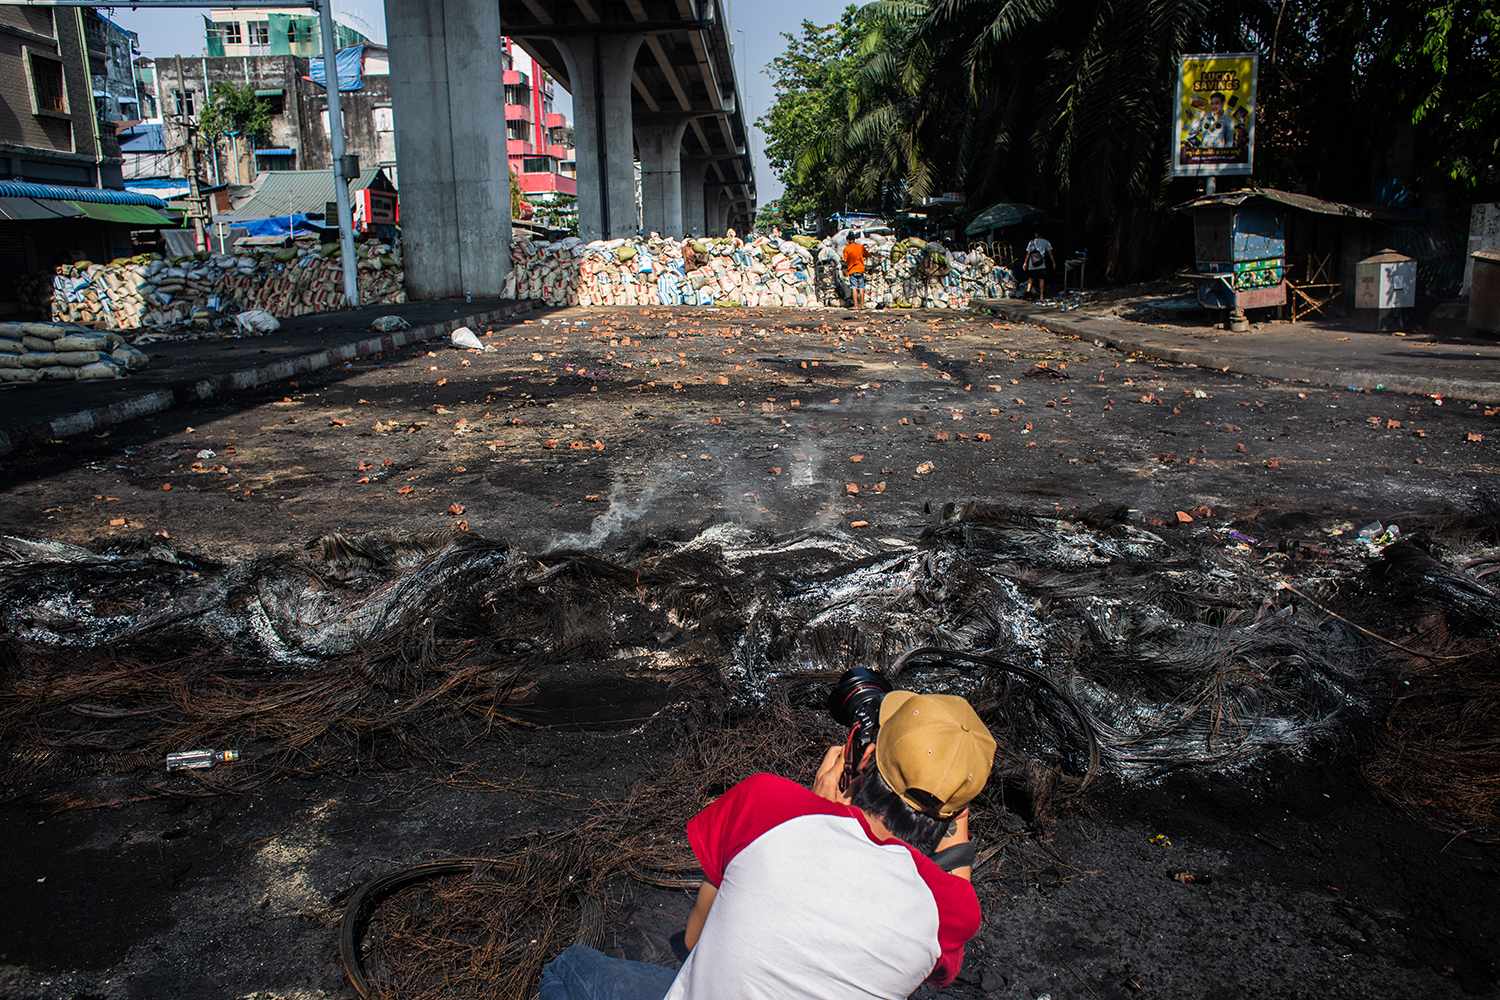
x: 345, y: 169
x: 196, y: 199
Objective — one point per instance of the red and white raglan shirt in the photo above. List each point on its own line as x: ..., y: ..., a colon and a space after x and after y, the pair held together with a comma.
x: 811, y: 904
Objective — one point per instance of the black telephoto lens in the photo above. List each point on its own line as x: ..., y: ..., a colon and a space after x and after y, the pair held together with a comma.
x: 855, y: 701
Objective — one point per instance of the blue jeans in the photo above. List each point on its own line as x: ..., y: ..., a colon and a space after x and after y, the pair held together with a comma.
x: 581, y: 973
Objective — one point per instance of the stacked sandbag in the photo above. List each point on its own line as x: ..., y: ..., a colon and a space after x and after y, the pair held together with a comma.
x: 295, y: 282
x: 35, y: 352
x: 149, y: 291
x: 656, y: 271
x: 34, y: 294
x: 910, y: 273
x: 544, y: 270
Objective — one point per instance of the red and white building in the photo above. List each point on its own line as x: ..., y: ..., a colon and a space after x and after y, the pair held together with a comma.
x: 539, y: 142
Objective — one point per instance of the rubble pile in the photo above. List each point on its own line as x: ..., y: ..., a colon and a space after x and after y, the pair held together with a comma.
x: 33, y: 352
x: 149, y: 291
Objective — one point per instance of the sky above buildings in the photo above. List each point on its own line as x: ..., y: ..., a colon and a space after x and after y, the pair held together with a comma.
x: 757, y: 25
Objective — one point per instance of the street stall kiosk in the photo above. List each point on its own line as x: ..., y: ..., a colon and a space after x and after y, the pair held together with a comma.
x: 1484, y: 293
x: 1239, y: 253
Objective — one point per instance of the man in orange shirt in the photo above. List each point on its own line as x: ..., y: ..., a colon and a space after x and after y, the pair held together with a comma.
x: 854, y: 270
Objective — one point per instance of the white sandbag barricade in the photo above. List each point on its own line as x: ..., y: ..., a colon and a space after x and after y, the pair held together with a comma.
x: 148, y: 291
x: 910, y: 273
x: 724, y: 271
x: 40, y: 352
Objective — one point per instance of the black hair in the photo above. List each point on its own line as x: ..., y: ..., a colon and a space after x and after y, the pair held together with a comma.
x: 870, y: 793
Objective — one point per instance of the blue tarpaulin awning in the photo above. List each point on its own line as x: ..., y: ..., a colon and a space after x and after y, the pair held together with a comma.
x: 98, y: 196
x: 350, y: 63
x: 277, y: 226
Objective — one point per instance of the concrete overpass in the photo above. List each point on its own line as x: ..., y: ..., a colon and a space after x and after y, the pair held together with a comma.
x: 657, y: 76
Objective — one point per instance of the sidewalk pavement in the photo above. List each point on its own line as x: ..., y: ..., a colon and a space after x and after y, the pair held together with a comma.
x: 1330, y: 353
x: 194, y: 370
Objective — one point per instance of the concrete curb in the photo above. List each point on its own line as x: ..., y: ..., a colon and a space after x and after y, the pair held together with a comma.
x: 1091, y: 330
x: 204, y: 389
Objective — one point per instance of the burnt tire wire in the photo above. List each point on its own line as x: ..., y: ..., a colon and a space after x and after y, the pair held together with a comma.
x: 366, y: 898
x: 1085, y: 723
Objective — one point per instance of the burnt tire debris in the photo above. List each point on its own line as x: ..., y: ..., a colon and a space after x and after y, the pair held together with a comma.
x: 1137, y: 652
x: 1092, y: 644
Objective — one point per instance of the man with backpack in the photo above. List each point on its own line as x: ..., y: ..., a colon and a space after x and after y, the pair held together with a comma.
x: 1036, y: 259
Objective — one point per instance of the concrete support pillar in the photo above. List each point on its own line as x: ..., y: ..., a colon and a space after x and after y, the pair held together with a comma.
x: 660, y: 144
x: 599, y: 68
x: 694, y: 170
x: 721, y: 212
x: 713, y: 209
x: 448, y: 93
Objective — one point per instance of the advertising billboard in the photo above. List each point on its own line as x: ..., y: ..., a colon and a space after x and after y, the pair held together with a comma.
x: 1213, y: 120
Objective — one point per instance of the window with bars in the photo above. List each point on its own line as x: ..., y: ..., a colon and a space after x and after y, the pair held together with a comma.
x: 47, y: 84
x: 260, y: 32
x: 536, y: 165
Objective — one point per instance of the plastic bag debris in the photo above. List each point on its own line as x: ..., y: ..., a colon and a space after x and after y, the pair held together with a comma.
x: 465, y: 339
x: 389, y: 324
x: 256, y: 321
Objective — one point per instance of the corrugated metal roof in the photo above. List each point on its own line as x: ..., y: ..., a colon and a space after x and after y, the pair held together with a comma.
x: 1305, y: 202
x: 295, y: 192
x: 99, y: 196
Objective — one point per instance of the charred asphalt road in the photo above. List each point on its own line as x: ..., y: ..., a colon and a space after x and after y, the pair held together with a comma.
x: 582, y: 424
x: 686, y: 417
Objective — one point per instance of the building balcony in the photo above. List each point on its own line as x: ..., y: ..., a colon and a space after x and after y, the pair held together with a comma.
x: 518, y: 147
x: 557, y: 121
x: 559, y: 152
x: 517, y: 113
x: 539, y: 183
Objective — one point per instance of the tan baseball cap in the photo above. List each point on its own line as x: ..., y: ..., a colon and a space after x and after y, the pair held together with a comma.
x: 933, y: 751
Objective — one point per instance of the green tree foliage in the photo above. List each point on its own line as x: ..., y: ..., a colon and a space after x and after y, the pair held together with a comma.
x: 769, y: 215
x: 813, y: 80
x: 235, y: 111
x: 1066, y: 104
x: 1461, y: 103
x: 559, y: 211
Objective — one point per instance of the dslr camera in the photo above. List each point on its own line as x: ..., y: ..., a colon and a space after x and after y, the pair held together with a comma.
x: 854, y: 704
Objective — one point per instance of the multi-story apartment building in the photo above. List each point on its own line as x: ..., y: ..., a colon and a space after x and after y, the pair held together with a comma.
x: 144, y: 71
x: 299, y: 133
x: 116, y: 95
x: 61, y: 187
x: 52, y: 134
x: 539, y: 143
x: 289, y: 31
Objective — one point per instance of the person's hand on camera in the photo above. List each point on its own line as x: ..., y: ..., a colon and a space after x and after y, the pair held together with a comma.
x: 826, y: 781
